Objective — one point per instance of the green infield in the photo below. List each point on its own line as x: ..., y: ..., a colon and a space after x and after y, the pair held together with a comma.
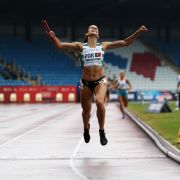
x: 166, y: 124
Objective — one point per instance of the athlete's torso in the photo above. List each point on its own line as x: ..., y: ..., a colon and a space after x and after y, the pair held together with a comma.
x: 91, y: 60
x: 122, y: 84
x: 92, y: 56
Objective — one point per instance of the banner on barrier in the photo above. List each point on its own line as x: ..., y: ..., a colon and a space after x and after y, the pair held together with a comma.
x: 145, y: 95
x: 38, y: 94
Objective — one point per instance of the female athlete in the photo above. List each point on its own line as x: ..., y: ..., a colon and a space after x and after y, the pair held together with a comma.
x: 93, y: 81
x: 123, y: 85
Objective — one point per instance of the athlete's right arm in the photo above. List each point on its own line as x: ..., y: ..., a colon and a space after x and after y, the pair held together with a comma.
x: 115, y: 86
x: 74, y: 46
x: 129, y: 84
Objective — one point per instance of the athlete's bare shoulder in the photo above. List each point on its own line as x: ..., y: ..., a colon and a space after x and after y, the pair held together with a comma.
x: 79, y: 45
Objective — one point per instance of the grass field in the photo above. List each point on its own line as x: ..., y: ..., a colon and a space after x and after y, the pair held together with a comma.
x: 166, y: 124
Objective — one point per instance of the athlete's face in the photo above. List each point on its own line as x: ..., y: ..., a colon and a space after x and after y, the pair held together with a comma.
x: 93, y: 29
x: 122, y: 74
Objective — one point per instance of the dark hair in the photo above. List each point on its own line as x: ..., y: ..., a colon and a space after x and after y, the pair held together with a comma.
x: 86, y: 39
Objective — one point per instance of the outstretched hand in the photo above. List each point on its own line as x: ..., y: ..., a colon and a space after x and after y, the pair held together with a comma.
x: 51, y: 34
x: 143, y: 29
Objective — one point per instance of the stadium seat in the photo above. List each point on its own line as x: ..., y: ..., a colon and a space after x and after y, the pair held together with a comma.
x: 39, y: 58
x: 169, y: 49
x: 145, y: 64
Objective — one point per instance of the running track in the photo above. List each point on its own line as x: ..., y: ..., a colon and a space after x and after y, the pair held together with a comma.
x: 44, y: 142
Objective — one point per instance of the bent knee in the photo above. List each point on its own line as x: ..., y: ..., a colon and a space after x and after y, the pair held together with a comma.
x: 100, y: 102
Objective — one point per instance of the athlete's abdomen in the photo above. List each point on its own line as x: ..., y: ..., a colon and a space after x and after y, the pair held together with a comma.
x: 92, y: 73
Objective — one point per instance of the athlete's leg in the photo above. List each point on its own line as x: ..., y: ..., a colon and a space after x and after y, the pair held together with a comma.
x: 105, y: 100
x: 86, y: 95
x: 125, y: 100
x: 121, y: 104
x: 100, y: 92
x: 86, y: 102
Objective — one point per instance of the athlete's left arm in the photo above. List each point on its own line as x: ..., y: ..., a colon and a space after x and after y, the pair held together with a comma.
x: 129, y: 84
x: 120, y: 43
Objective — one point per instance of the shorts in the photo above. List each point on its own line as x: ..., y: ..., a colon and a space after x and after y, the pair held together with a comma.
x: 122, y: 92
x: 92, y: 84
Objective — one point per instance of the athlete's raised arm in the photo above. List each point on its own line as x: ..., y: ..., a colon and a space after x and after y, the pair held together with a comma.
x: 125, y: 42
x: 74, y: 46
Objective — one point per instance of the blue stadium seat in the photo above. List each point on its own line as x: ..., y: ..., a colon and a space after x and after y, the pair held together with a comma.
x: 171, y: 49
x: 41, y: 58
x: 116, y: 60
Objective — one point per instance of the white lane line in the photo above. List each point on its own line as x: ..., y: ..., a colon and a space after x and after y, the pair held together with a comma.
x: 71, y: 161
x: 72, y: 158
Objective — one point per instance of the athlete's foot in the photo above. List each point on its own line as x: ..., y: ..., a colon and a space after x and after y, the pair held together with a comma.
x: 87, y: 135
x: 103, y: 138
x: 123, y: 115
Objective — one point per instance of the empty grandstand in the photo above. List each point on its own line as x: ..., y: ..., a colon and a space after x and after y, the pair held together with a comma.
x: 143, y: 68
x: 39, y: 63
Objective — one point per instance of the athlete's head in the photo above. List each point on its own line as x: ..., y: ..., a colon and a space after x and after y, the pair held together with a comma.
x: 92, y: 31
x: 122, y: 74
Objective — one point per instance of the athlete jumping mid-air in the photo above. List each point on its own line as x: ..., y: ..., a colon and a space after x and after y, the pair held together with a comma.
x: 93, y: 81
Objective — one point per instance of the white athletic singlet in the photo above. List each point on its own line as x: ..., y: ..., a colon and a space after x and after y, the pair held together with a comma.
x: 92, y: 56
x: 122, y: 84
